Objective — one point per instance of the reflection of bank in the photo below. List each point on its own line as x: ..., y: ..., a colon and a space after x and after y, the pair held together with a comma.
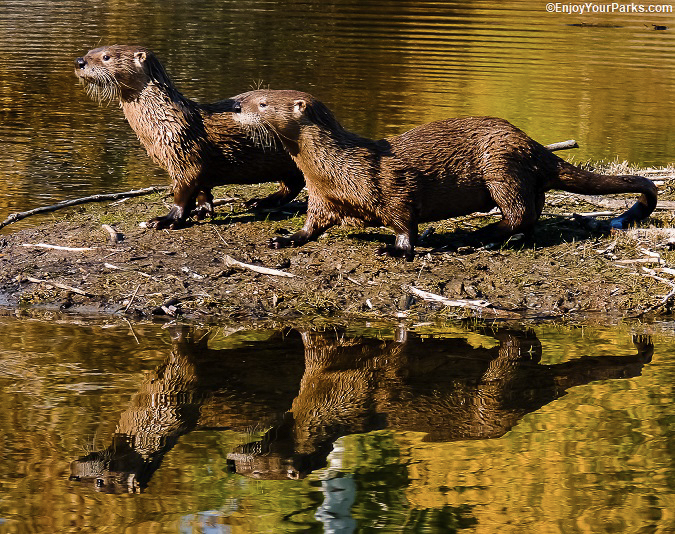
x: 334, y: 385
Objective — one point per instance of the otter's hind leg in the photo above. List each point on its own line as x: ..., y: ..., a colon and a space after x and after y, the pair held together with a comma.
x: 204, y: 202
x: 520, y: 207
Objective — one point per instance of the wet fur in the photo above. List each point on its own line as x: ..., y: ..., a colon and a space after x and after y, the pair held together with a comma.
x: 199, y: 145
x: 439, y: 170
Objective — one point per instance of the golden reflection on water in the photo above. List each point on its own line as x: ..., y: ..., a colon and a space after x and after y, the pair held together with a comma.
x: 488, y: 429
x: 607, y: 80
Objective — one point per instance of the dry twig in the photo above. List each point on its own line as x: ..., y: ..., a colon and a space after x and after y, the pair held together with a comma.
x: 476, y: 305
x: 131, y: 300
x: 231, y: 262
x: 651, y: 273
x: 58, y: 247
x: 562, y: 145
x: 59, y: 285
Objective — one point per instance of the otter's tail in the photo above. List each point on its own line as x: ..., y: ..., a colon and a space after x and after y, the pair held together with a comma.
x: 576, y: 180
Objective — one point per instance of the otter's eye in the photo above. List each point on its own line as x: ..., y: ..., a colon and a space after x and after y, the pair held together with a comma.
x: 262, y: 105
x: 106, y: 57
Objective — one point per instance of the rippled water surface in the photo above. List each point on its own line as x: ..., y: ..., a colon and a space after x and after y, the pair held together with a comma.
x: 139, y: 428
x: 607, y: 80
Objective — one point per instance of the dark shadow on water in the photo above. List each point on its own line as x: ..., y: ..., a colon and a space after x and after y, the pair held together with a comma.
x: 326, y: 385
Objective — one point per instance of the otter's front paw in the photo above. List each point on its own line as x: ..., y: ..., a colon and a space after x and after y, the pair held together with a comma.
x: 280, y: 242
x: 160, y: 223
x: 172, y: 220
x: 271, y: 202
x: 202, y: 211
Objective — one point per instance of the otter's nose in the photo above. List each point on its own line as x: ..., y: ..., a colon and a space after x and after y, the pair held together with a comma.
x: 80, y: 63
x: 236, y: 107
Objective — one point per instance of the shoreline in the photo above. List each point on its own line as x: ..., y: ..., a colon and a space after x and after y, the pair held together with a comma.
x: 572, y: 269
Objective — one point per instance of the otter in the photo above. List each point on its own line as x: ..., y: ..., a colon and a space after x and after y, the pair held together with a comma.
x: 199, y: 145
x: 443, y: 169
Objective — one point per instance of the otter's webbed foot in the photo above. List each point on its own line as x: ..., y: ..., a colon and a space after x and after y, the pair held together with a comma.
x: 172, y: 220
x: 280, y: 242
x: 296, y: 240
x: 203, y: 211
x: 204, y: 206
x: 403, y: 248
x: 288, y: 190
x: 275, y: 200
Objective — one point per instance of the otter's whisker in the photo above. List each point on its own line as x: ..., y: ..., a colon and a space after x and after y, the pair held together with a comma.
x: 277, y: 133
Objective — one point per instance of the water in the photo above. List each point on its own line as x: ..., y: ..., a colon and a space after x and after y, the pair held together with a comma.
x: 606, y: 80
x: 115, y: 427
x: 119, y: 427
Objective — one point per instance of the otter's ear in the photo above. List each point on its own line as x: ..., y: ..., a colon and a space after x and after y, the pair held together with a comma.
x: 139, y: 57
x: 299, y: 106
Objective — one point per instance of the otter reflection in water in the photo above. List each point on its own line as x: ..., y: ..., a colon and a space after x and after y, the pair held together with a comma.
x: 195, y: 388
x: 444, y: 387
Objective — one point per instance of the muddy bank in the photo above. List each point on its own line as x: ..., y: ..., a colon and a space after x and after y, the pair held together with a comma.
x: 571, y: 268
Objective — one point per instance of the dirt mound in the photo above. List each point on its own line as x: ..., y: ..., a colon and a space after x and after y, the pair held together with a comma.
x: 571, y: 267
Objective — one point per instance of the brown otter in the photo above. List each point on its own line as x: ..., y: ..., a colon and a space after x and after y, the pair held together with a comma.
x: 200, y: 146
x: 439, y: 170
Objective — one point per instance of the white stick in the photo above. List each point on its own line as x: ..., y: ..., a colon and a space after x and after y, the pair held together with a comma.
x: 562, y: 145
x: 231, y: 262
x: 56, y: 284
x: 58, y: 247
x: 479, y: 305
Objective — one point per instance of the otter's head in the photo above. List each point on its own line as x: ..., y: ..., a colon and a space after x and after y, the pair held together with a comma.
x: 119, y: 72
x: 283, y: 114
x: 117, y: 469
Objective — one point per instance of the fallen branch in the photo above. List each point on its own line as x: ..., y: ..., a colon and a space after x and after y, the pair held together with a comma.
x: 14, y: 217
x: 58, y: 247
x: 562, y: 145
x: 60, y: 286
x: 231, y: 262
x: 476, y: 305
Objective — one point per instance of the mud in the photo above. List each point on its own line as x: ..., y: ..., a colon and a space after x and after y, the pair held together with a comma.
x: 571, y: 268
